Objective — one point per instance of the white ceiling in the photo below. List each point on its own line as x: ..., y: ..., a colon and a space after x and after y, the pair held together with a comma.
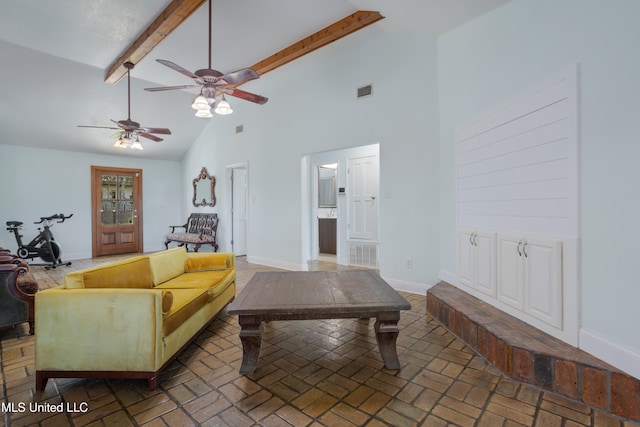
x: 53, y: 57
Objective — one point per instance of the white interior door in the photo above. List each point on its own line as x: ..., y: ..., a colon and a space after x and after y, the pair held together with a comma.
x: 363, y: 198
x: 239, y: 211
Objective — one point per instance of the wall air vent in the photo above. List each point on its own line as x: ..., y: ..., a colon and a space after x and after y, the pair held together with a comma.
x: 365, y: 91
x: 239, y: 128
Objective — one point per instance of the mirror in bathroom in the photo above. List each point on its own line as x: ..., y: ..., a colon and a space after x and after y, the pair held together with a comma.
x: 327, y: 177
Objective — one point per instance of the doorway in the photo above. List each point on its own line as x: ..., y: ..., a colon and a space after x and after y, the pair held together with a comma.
x: 357, y: 205
x: 239, y: 208
x: 116, y: 210
x: 327, y: 211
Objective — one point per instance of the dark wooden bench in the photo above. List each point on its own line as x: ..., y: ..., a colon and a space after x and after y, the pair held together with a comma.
x: 200, y: 229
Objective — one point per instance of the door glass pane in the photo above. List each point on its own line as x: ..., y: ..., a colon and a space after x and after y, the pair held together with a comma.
x: 117, y: 200
x: 125, y: 212
x: 125, y: 185
x: 109, y: 186
x: 108, y: 213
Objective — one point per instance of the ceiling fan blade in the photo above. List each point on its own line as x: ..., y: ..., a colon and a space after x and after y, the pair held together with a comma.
x: 240, y: 76
x: 149, y: 136
x: 163, y: 131
x: 247, y: 96
x: 177, y: 68
x: 120, y: 125
x: 161, y: 88
x: 97, y: 127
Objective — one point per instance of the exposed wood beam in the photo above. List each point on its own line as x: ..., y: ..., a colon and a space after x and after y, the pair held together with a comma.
x: 327, y: 35
x: 168, y: 20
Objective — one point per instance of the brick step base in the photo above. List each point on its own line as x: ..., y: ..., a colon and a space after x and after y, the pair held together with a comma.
x: 532, y: 356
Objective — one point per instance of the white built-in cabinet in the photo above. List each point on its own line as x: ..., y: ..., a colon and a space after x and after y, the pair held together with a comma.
x: 517, y: 179
x: 529, y: 275
x: 521, y: 271
x: 477, y: 260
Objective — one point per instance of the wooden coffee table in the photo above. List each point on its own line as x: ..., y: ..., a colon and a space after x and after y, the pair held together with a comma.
x: 270, y: 296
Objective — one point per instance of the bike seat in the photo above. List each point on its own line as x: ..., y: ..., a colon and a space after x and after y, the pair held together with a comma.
x: 14, y: 223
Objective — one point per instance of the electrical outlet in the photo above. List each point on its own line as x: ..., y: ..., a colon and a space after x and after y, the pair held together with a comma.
x: 408, y: 263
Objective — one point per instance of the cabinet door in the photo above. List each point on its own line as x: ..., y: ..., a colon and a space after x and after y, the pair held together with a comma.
x: 510, y: 271
x: 485, y: 262
x: 543, y: 279
x: 466, y: 257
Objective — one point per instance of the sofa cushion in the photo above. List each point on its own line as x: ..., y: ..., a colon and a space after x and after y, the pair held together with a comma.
x: 206, y: 262
x: 191, y: 238
x: 215, y: 282
x: 165, y: 265
x: 130, y: 273
x: 185, y: 303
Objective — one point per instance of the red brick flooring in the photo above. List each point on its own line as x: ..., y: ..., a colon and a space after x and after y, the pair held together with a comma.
x: 310, y: 373
x: 531, y: 356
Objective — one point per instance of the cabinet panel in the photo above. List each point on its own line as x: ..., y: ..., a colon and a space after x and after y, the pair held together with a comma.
x: 486, y: 262
x: 476, y: 260
x: 543, y: 278
x: 465, y: 258
x: 530, y: 276
x: 327, y: 235
x: 510, y: 274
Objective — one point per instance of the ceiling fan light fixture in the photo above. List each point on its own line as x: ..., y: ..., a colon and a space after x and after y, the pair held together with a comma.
x: 136, y: 145
x: 204, y: 114
x: 122, y: 142
x: 200, y: 103
x: 223, y: 107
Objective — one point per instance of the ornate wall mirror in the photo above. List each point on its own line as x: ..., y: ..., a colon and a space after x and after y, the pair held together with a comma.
x: 204, y: 189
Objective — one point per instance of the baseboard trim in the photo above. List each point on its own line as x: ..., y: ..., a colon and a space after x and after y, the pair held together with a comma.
x: 277, y: 264
x: 622, y: 358
x: 447, y: 276
x: 410, y: 287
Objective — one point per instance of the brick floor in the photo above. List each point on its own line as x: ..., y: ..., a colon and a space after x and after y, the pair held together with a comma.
x: 310, y: 373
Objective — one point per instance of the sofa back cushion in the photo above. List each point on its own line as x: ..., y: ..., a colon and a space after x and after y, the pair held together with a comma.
x: 166, y: 265
x: 206, y: 261
x: 129, y: 273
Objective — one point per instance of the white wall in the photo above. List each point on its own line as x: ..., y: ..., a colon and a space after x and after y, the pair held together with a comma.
x: 39, y: 182
x: 313, y: 108
x: 499, y: 55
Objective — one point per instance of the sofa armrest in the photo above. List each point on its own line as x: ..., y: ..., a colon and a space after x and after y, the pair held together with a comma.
x: 227, y: 259
x: 98, y: 329
x: 173, y: 227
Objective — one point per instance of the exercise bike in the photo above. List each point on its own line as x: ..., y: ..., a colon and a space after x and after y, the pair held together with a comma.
x: 43, y: 245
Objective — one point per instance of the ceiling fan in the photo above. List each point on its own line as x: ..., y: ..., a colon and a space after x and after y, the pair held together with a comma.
x: 213, y: 82
x: 130, y: 130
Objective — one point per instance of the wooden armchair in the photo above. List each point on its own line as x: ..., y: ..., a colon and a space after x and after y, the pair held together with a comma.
x: 200, y: 229
x: 17, y: 293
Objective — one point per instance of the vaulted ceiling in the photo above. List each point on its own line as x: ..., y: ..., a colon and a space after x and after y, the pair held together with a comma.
x: 56, y: 55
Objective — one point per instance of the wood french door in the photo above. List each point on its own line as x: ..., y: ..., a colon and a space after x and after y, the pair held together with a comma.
x: 116, y: 200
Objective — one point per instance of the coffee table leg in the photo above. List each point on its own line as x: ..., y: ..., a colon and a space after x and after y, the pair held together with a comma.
x: 251, y: 338
x: 386, y: 334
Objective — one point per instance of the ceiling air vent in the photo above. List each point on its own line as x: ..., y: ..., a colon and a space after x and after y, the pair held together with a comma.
x: 365, y: 91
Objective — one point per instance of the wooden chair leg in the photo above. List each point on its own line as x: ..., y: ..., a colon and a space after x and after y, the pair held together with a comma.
x: 41, y: 381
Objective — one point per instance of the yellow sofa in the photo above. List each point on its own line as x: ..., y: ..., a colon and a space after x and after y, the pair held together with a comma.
x: 131, y: 318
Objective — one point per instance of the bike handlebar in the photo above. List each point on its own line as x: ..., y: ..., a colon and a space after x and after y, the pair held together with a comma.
x: 60, y: 217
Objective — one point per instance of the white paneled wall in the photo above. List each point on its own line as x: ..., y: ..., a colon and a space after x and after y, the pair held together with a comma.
x: 517, y: 163
x: 517, y: 184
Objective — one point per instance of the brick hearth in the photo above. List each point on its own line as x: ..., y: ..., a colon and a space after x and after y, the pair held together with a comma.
x: 532, y: 356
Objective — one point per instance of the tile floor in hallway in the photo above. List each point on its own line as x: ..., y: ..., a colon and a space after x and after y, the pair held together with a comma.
x: 310, y: 373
